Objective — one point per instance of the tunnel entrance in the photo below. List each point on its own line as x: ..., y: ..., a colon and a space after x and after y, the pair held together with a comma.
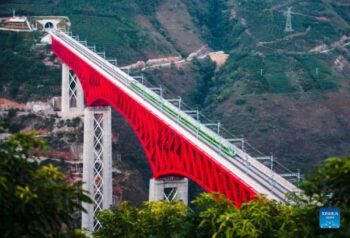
x: 49, y: 25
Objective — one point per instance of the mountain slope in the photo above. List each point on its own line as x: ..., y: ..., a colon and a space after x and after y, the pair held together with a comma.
x: 286, y: 91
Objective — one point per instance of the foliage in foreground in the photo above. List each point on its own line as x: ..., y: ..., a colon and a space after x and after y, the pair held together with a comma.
x: 213, y: 216
x: 34, y: 200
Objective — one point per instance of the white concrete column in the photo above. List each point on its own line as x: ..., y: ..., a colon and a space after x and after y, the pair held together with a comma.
x: 80, y: 96
x: 71, y: 90
x: 65, y: 99
x: 97, y: 167
x: 156, y: 190
x: 177, y: 189
x: 107, y: 159
x: 88, y: 165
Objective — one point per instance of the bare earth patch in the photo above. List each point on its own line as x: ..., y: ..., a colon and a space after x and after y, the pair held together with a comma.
x: 219, y: 58
x: 9, y: 104
x: 174, y: 17
x: 160, y: 40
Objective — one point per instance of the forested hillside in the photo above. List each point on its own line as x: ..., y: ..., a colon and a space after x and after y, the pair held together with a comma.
x: 286, y: 92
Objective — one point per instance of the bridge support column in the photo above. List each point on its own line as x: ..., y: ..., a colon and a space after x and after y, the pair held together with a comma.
x: 169, y: 189
x: 97, y: 167
x: 72, y: 100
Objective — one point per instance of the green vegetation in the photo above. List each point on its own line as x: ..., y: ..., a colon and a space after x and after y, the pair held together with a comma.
x: 277, y: 73
x: 35, y: 201
x: 206, y: 69
x: 253, y: 74
x: 22, y: 67
x: 272, y: 64
x: 153, y: 219
x: 213, y: 17
x: 109, y: 24
x: 147, y: 7
x: 262, y: 57
x: 211, y: 215
x: 264, y: 61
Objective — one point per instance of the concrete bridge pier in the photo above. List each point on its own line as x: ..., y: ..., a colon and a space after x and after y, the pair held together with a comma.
x: 97, y: 163
x: 169, y: 189
x: 72, y: 100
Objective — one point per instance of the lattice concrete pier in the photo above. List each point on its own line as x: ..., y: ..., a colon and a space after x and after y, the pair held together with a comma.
x: 97, y: 168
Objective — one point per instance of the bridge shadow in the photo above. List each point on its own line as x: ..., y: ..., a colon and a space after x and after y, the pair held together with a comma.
x: 130, y: 158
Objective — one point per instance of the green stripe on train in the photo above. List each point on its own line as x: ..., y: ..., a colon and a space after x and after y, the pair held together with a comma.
x: 183, y: 121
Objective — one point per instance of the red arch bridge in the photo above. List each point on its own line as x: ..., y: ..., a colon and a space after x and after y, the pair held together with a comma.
x: 175, y: 143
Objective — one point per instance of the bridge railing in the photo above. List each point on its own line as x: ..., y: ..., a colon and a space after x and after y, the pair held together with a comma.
x: 221, y: 145
x: 222, y: 134
x: 216, y: 141
x: 198, y: 128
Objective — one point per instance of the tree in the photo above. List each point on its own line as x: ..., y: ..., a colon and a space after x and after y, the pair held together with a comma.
x: 206, y: 70
x: 152, y: 219
x: 34, y: 200
x: 220, y: 218
x: 118, y: 223
x: 209, y: 208
x: 328, y: 186
x: 212, y: 215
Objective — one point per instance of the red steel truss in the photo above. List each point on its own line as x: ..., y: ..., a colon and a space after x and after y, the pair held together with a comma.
x: 168, y: 152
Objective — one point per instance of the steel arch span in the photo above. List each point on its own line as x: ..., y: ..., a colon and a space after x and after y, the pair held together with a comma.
x: 168, y: 152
